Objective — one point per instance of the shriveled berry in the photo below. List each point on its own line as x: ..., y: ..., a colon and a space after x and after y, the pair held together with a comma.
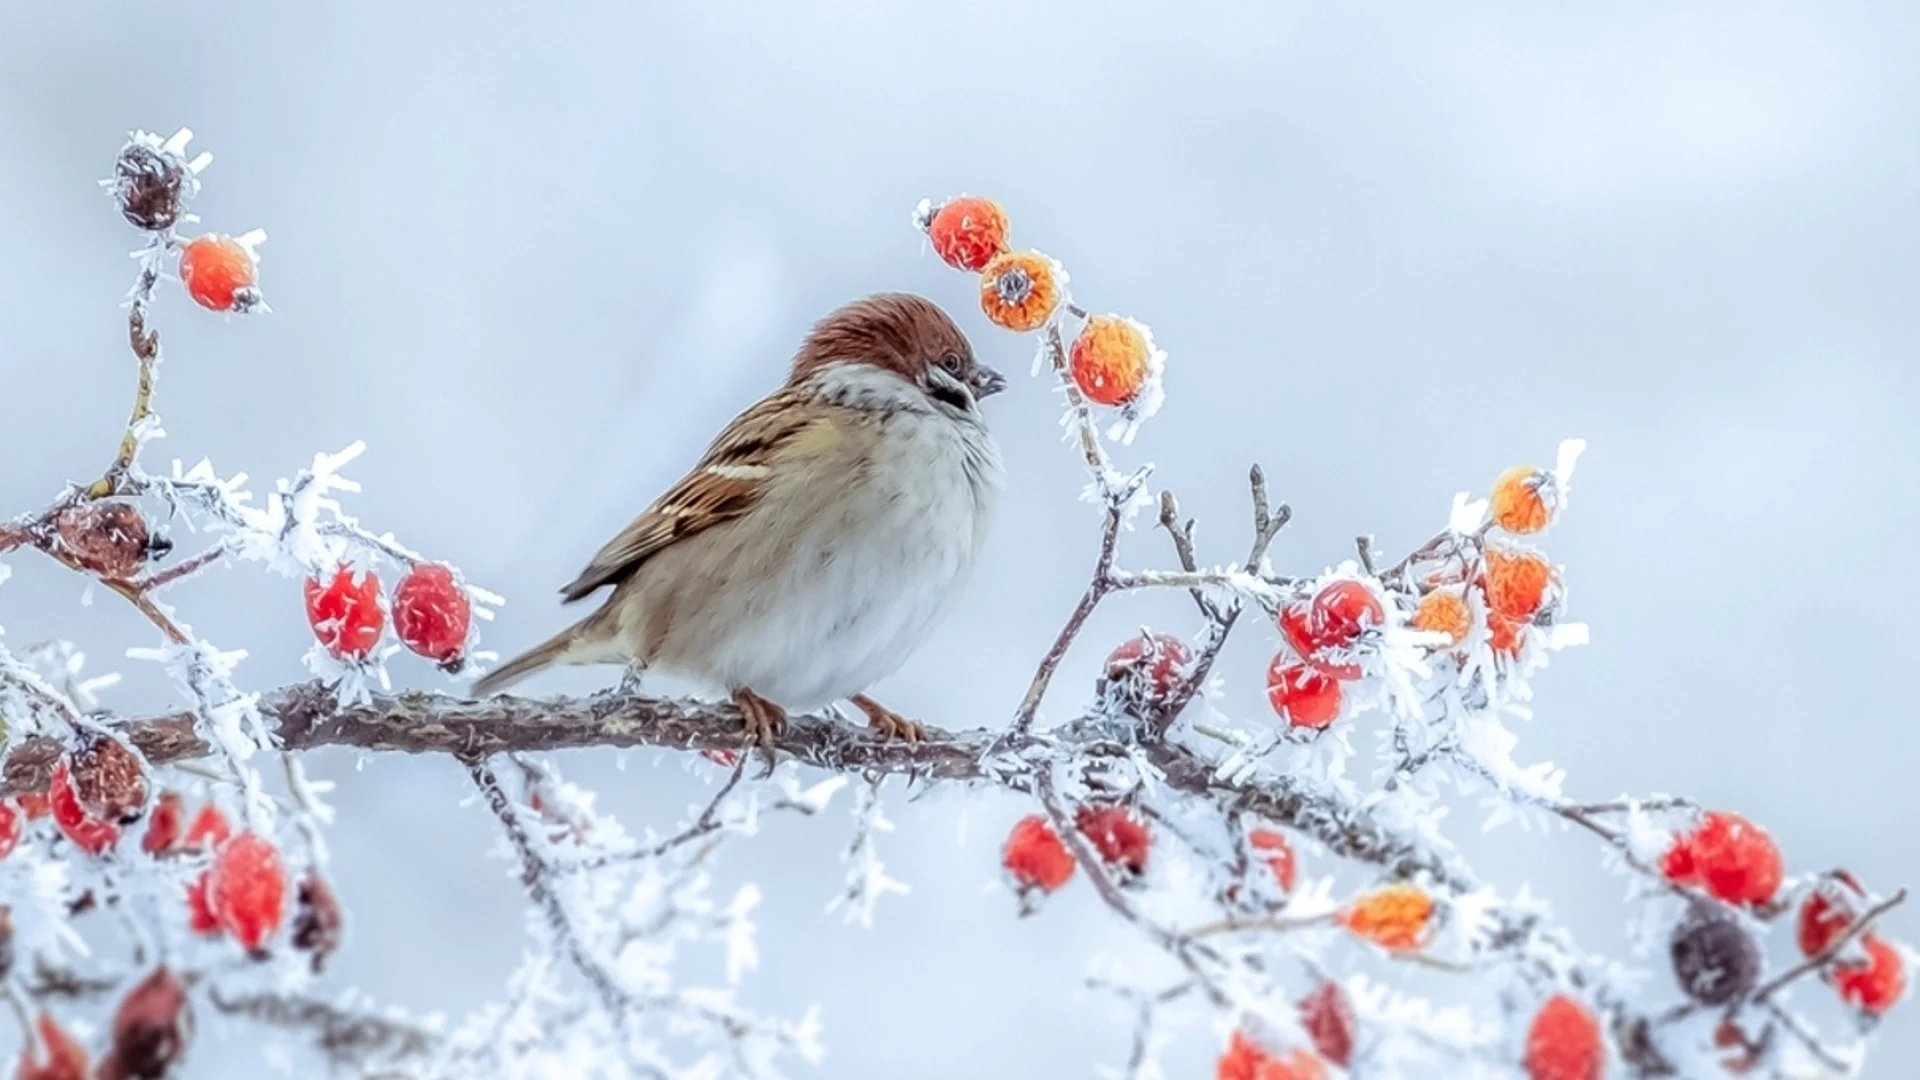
x: 1328, y: 1017
x: 431, y: 613
x: 1149, y: 665
x: 109, y: 779
x: 108, y: 538
x: 65, y: 1059
x: 1730, y: 857
x: 1111, y: 359
x: 967, y: 232
x: 88, y: 833
x: 1876, y: 985
x: 1302, y: 696
x: 165, y: 825
x: 1327, y: 630
x: 1519, y: 582
x: 1272, y: 846
x: 1247, y: 1060
x: 1121, y: 839
x: 1020, y: 290
x: 248, y: 888
x: 150, y: 1030
x: 1398, y: 917
x: 1525, y: 499
x: 1444, y: 611
x: 1828, y: 911
x: 317, y: 921
x: 1035, y: 857
x: 345, y: 613
x: 1564, y: 1042
x: 150, y: 184
x: 1714, y: 957
x: 220, y: 273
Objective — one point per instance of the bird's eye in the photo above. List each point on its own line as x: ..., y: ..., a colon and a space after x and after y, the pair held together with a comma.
x: 952, y: 363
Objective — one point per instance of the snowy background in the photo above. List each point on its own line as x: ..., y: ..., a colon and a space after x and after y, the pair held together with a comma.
x: 536, y: 257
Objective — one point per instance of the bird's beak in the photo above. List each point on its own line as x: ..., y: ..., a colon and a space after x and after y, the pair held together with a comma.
x: 987, y: 382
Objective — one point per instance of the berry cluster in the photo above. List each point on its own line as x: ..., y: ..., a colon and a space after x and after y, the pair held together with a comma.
x: 432, y: 613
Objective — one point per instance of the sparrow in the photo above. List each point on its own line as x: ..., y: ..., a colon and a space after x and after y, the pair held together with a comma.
x: 821, y: 537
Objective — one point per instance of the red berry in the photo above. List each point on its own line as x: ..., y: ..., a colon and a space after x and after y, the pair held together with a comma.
x: 1247, y: 1060
x: 968, y: 232
x: 431, y: 613
x: 1278, y: 853
x: 165, y: 824
x: 1828, y: 911
x: 1564, y: 1042
x: 1301, y: 696
x: 1111, y: 359
x: 35, y: 804
x: 10, y: 826
x: 219, y: 273
x: 1327, y: 630
x: 1120, y: 839
x: 1328, y: 1017
x: 1877, y: 985
x: 1157, y: 662
x: 65, y: 1060
x: 1035, y: 856
x: 345, y: 613
x: 209, y: 829
x: 248, y: 888
x: 90, y: 835
x: 200, y: 916
x: 1733, y: 859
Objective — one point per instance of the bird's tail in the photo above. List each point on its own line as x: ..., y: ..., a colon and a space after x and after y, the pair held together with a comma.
x: 554, y: 650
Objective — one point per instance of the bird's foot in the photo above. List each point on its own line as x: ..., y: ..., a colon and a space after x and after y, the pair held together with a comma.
x: 764, y: 720
x: 885, y: 722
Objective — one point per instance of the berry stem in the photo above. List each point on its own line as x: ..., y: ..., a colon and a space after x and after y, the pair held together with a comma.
x: 146, y: 350
x: 1825, y: 956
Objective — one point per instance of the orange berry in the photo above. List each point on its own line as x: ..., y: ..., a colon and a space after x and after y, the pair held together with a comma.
x: 1444, y: 611
x: 1505, y: 635
x: 967, y: 232
x: 1248, y: 1060
x: 1519, y: 582
x: 1019, y: 290
x: 1878, y: 984
x: 1301, y: 696
x: 1524, y: 499
x: 219, y: 273
x: 1396, y: 917
x: 1112, y: 359
x: 1564, y: 1042
x: 1278, y: 853
x: 1733, y: 859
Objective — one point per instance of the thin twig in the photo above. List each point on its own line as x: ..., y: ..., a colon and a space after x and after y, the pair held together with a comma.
x: 1834, y: 948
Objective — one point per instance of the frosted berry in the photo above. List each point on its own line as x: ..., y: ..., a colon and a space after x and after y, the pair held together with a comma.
x: 1519, y: 583
x: 317, y: 921
x: 1150, y: 665
x: 1328, y: 1017
x: 1247, y: 1060
x: 1506, y: 637
x: 248, y: 889
x: 1301, y: 696
x: 35, y: 804
x: 151, y: 185
x: 10, y: 828
x: 1444, y: 611
x: 201, y: 918
x: 209, y: 829
x: 1119, y: 837
x: 967, y: 232
x: 431, y: 614
x: 1327, y: 630
x: 88, y: 833
x: 219, y: 273
x: 165, y: 825
x: 64, y: 1060
x: 150, y: 1030
x: 1728, y: 856
x: 1111, y: 359
x: 108, y: 779
x: 1020, y: 290
x: 1273, y: 847
x: 1714, y: 957
x: 1525, y: 499
x: 1876, y: 985
x: 1828, y: 911
x: 108, y: 538
x: 1564, y: 1042
x: 1398, y: 918
x: 345, y: 613
x: 1035, y: 857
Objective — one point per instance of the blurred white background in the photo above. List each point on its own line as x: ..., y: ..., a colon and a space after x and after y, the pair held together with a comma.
x: 535, y: 255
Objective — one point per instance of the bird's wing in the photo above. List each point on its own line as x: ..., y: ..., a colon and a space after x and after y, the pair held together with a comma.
x: 729, y: 480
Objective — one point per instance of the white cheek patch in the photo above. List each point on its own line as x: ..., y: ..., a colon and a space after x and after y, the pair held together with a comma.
x: 739, y: 472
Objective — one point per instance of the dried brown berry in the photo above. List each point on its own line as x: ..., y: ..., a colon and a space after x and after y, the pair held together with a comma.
x: 316, y: 920
x: 1714, y: 957
x: 150, y: 1030
x: 109, y: 538
x: 150, y: 185
x: 109, y: 780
